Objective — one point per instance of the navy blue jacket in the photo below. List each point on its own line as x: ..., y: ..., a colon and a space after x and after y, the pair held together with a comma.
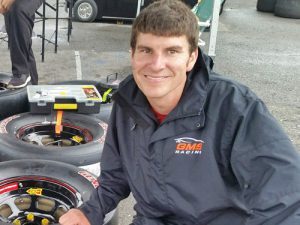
x: 219, y: 158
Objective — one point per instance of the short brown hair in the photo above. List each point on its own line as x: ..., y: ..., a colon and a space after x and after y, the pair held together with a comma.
x: 167, y: 18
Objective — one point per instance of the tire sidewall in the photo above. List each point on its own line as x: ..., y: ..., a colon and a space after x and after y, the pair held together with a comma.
x: 265, y: 5
x: 12, y: 101
x: 287, y: 9
x: 93, y: 5
x: 83, y: 181
x: 85, y: 154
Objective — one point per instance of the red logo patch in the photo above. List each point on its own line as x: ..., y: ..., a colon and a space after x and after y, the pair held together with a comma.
x: 188, y: 145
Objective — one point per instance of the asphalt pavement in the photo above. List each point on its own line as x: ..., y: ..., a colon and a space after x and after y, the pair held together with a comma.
x: 258, y: 49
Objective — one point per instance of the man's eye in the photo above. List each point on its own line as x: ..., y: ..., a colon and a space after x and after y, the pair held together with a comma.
x: 145, y: 50
x: 172, y: 52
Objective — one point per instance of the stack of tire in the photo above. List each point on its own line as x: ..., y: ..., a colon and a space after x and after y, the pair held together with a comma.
x: 281, y: 8
x: 11, y: 101
x: 41, y: 182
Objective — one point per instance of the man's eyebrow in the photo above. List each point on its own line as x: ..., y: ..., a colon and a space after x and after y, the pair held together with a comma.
x: 143, y: 46
x: 176, y: 47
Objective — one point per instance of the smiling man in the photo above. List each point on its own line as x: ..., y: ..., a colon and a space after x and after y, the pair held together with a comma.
x: 193, y: 147
x: 159, y: 67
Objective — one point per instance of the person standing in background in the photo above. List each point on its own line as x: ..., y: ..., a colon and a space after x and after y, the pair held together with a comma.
x: 19, y: 18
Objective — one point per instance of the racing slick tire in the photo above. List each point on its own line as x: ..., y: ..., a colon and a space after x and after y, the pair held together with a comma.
x: 85, y: 10
x: 105, y: 111
x: 287, y: 9
x: 265, y: 5
x: 45, y: 189
x: 12, y: 101
x: 32, y: 136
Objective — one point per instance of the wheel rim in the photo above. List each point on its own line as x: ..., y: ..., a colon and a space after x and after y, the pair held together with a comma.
x: 85, y: 10
x: 44, y: 135
x: 36, y: 200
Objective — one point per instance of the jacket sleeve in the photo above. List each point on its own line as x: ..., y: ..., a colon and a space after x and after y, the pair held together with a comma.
x: 113, y: 184
x: 267, y: 167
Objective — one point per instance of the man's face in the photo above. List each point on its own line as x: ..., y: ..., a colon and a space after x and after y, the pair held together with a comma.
x: 160, y: 65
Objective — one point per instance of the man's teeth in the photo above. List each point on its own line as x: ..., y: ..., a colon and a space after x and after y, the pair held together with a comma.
x: 152, y: 77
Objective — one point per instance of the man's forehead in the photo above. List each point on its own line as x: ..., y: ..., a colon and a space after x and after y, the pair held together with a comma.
x: 141, y: 34
x: 143, y: 38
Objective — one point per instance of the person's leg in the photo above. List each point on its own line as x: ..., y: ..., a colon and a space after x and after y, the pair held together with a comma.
x: 33, y: 70
x: 6, y: 21
x: 20, y: 22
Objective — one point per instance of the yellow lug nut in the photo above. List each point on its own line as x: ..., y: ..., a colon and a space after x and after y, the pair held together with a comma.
x: 45, y: 221
x: 17, y: 222
x: 30, y: 217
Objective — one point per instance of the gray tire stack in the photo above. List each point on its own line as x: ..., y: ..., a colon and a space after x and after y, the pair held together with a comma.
x: 281, y: 8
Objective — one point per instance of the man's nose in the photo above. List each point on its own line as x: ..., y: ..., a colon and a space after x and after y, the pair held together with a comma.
x: 158, y: 61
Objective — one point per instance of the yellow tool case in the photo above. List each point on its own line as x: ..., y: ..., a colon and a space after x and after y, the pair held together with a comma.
x: 80, y: 98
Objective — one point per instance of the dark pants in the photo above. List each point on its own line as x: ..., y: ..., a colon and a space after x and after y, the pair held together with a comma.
x: 19, y: 22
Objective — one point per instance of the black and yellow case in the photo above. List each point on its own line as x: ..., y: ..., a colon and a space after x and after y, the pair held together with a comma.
x: 80, y: 98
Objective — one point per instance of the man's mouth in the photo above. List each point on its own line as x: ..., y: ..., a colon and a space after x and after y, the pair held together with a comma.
x: 157, y: 78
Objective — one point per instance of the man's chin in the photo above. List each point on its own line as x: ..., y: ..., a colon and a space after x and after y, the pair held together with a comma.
x: 154, y: 95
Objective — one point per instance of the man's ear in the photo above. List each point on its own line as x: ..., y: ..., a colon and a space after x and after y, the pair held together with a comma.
x: 192, y: 60
x: 131, y: 51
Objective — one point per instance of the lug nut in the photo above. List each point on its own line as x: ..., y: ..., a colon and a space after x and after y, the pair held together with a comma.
x: 45, y: 221
x: 30, y: 217
x: 17, y: 222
